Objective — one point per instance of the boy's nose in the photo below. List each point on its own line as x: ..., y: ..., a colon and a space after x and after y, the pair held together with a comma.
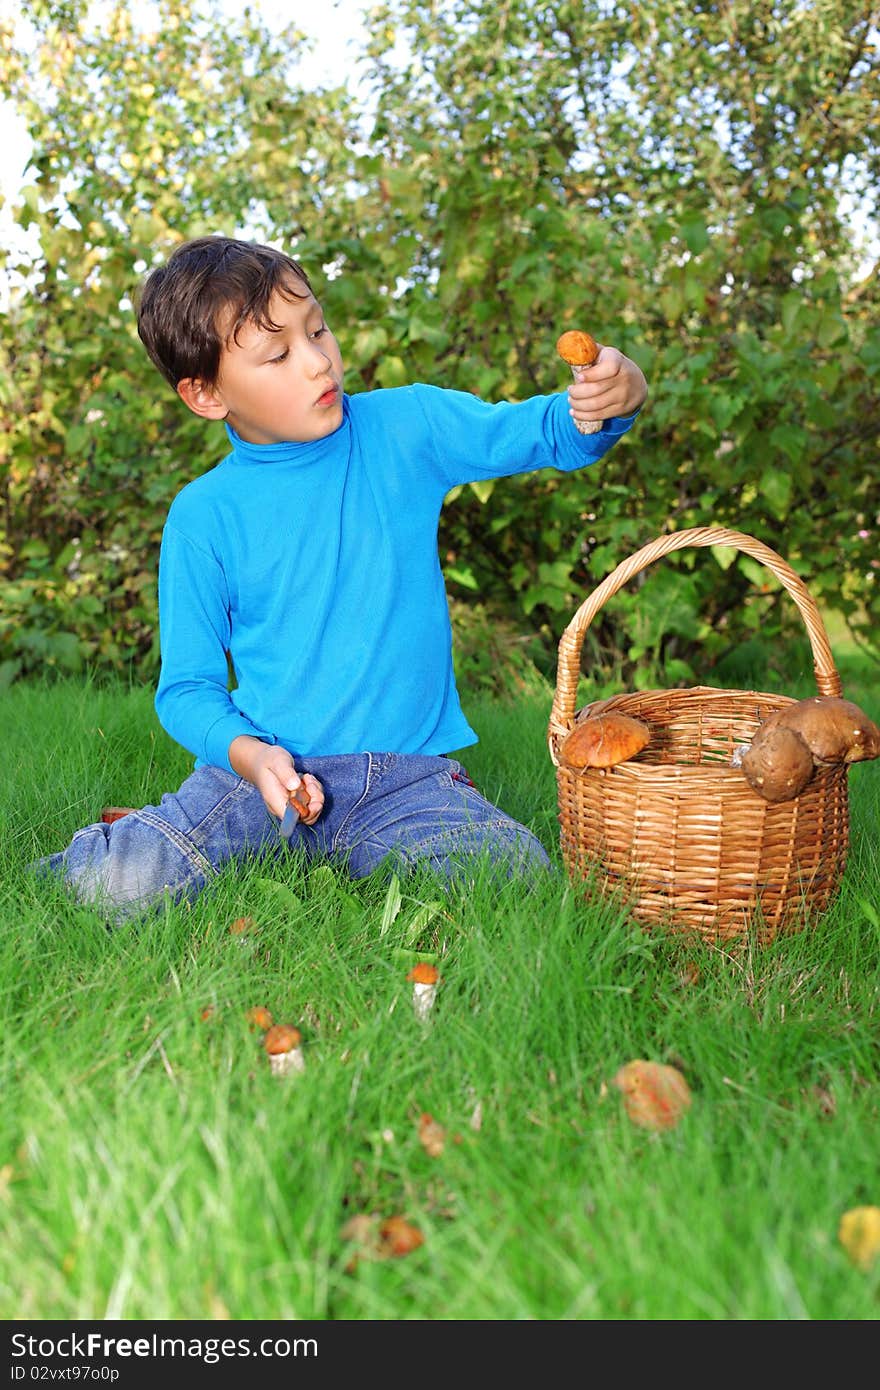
x: 321, y: 358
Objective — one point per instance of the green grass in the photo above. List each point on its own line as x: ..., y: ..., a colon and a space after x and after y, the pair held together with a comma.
x: 152, y: 1168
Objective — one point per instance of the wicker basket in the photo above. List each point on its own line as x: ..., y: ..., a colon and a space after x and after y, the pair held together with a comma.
x: 677, y: 828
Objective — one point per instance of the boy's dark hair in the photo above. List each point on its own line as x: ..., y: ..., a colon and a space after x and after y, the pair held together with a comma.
x: 180, y: 303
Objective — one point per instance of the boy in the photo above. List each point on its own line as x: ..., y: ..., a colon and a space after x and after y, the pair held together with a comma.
x: 308, y: 558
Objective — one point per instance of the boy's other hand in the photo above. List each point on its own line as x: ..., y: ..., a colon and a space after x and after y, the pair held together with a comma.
x: 272, y: 772
x: 613, y: 386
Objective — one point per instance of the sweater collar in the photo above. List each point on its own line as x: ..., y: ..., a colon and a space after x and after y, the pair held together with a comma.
x: 288, y: 452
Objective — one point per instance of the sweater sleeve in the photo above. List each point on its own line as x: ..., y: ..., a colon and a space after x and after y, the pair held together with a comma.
x: 193, y: 701
x: 475, y: 440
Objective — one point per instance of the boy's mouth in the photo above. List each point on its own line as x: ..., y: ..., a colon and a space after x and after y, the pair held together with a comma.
x: 329, y: 397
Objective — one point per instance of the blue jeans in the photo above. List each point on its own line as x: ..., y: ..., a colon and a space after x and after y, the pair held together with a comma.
x: 407, y: 809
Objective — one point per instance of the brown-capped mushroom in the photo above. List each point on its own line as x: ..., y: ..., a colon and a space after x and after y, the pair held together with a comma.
x: 424, y: 978
x: 579, y: 350
x: 602, y: 740
x: 576, y: 348
x: 834, y: 730
x: 282, y: 1044
x: 299, y: 799
x: 778, y: 765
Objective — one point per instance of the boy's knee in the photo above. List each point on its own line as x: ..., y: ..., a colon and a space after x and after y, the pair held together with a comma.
x: 124, y: 869
x: 495, y: 848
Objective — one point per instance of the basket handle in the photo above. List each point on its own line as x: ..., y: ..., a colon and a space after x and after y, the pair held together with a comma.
x: 568, y: 667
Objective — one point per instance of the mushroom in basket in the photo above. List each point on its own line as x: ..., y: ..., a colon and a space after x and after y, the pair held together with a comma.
x: 603, y: 740
x: 822, y: 731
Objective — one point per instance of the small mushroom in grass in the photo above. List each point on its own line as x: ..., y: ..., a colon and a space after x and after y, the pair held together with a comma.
x: 432, y: 1136
x: 655, y: 1096
x: 778, y: 765
x: 377, y: 1239
x: 259, y: 1017
x: 579, y: 350
x: 602, y: 740
x: 859, y: 1234
x: 282, y: 1044
x: 834, y: 730
x: 424, y: 978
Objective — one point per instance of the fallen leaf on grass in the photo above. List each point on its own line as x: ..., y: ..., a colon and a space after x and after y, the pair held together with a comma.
x: 859, y: 1234
x: 362, y: 1228
x: 242, y: 924
x: 655, y: 1096
x: 689, y: 974
x: 399, y: 1237
x: 431, y: 1135
x: 7, y: 1175
x: 824, y: 1100
x: 377, y: 1239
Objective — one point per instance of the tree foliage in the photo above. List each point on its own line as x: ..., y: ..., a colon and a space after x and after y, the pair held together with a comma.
x: 678, y: 179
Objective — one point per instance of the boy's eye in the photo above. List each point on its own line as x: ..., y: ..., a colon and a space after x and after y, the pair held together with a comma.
x: 281, y: 356
x: 319, y: 331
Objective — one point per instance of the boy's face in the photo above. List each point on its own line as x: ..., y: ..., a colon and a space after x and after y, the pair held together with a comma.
x: 282, y: 386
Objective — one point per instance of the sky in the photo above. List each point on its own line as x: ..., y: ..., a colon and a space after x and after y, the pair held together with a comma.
x: 336, y: 26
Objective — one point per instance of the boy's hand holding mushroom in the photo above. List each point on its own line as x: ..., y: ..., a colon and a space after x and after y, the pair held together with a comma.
x: 612, y: 385
x: 271, y: 770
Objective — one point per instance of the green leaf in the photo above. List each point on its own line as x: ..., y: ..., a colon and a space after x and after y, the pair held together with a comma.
x: 391, y: 371
x: 393, y: 904
x: 425, y: 914
x: 724, y: 555
x: 483, y: 489
x: 463, y: 575
x: 776, y: 487
x: 696, y: 236
x: 278, y: 895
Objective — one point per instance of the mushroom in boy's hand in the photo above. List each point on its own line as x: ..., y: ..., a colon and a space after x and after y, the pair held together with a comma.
x: 778, y: 764
x: 579, y: 350
x: 602, y: 740
x: 282, y: 1044
x: 834, y: 730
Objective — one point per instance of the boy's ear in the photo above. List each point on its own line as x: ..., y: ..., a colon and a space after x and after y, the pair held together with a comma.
x: 202, y: 399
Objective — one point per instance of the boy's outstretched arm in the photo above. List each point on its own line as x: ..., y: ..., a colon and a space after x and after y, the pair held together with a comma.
x: 270, y: 769
x: 614, y: 386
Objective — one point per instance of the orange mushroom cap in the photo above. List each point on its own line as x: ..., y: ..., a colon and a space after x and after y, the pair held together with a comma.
x: 281, y: 1038
x: 601, y: 740
x: 424, y: 974
x: 577, y: 349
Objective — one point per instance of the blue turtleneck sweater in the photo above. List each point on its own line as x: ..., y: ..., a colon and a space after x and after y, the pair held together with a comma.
x: 315, y: 567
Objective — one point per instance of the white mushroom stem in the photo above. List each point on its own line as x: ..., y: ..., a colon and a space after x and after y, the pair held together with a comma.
x: 584, y: 426
x: 286, y: 1063
x: 423, y: 999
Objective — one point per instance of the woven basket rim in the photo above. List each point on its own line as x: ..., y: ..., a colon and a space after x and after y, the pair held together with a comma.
x: 563, y: 712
